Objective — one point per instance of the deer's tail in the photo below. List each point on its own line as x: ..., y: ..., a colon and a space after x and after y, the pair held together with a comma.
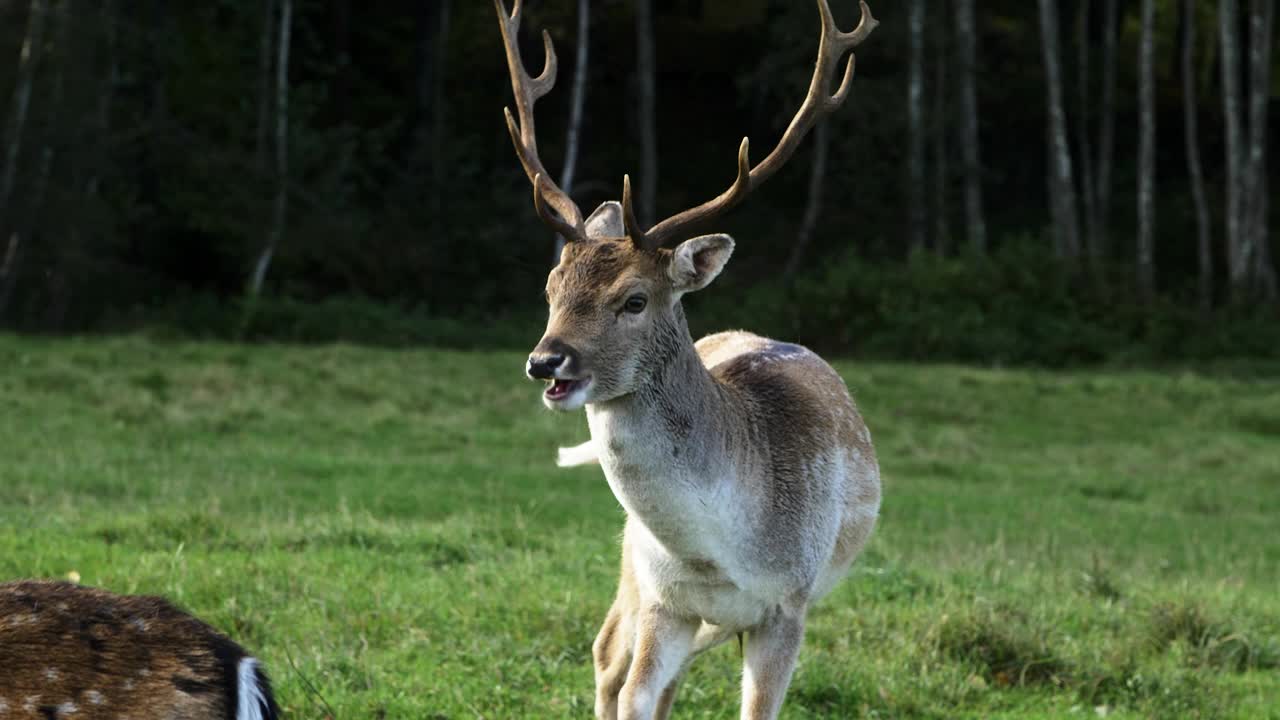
x: 254, y: 699
x: 584, y: 454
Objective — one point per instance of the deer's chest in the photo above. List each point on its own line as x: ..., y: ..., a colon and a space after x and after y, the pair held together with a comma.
x: 709, y: 584
x: 683, y: 533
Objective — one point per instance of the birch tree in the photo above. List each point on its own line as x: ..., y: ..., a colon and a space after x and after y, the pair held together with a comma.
x: 1100, y: 243
x: 577, y: 102
x: 1204, y: 247
x: 813, y: 207
x: 264, y: 85
x: 1146, y: 152
x: 1253, y: 221
x: 281, y: 204
x: 966, y: 45
x: 1228, y: 16
x: 646, y: 69
x: 1061, y: 185
x: 1088, y: 193
x: 915, y: 124
x: 941, y: 121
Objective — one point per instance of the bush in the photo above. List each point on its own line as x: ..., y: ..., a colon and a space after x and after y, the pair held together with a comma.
x: 1017, y: 306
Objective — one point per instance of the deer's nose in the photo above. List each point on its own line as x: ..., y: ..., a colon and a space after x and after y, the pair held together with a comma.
x: 543, y: 366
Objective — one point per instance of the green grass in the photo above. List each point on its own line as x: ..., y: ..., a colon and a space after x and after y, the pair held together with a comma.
x: 388, y: 531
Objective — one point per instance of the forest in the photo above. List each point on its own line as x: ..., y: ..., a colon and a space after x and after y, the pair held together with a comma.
x: 1055, y: 182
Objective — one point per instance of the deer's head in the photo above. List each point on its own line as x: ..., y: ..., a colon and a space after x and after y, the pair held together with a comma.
x: 615, y: 315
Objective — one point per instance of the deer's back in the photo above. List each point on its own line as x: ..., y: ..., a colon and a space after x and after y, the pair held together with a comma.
x: 76, y: 652
x: 790, y: 397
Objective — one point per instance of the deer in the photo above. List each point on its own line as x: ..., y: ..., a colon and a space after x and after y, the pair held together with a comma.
x: 70, y: 651
x: 747, y: 475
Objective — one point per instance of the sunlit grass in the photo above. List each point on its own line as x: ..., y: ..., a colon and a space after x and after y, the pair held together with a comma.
x: 388, y: 527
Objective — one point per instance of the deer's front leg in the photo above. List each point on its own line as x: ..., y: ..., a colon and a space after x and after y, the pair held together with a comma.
x: 770, y: 657
x: 663, y: 642
x: 612, y: 655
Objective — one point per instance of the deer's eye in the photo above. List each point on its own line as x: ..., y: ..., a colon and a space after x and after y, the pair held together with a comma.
x: 635, y: 304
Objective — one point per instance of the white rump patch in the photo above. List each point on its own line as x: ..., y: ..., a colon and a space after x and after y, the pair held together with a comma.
x: 584, y: 454
x: 253, y: 701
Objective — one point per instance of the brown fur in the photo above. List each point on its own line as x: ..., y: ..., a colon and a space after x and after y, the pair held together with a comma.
x: 76, y: 652
x: 747, y: 474
x: 771, y: 407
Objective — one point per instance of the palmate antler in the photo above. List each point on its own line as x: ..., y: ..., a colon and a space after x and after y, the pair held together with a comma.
x: 832, y: 46
x: 547, y: 196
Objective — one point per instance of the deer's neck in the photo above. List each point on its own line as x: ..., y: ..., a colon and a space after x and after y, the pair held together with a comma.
x: 669, y: 441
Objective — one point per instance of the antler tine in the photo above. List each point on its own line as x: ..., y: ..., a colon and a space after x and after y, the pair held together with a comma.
x: 819, y: 102
x: 629, y: 214
x: 528, y: 90
x: 725, y: 200
x: 568, y: 231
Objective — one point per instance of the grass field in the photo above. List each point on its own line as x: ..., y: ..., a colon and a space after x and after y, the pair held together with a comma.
x: 388, y: 531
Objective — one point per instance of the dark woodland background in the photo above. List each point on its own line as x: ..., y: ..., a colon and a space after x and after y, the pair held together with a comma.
x: 156, y: 174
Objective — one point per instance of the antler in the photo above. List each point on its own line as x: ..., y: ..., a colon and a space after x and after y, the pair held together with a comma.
x: 547, y: 196
x: 832, y: 46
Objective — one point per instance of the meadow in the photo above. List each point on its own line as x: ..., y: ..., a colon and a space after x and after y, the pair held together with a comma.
x: 388, y: 531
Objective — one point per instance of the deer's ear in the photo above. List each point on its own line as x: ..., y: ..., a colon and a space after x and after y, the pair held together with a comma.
x: 606, y: 221
x: 695, y: 263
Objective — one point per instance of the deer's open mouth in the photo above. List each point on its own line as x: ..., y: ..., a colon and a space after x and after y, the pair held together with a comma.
x: 559, y: 389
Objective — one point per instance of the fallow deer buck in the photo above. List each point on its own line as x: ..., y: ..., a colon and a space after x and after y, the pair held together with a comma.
x: 79, y: 653
x: 747, y: 475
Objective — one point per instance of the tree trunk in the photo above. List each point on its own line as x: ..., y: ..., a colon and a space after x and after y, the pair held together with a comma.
x: 1204, y: 248
x: 646, y: 70
x: 425, y: 86
x: 941, y: 121
x: 1230, y: 63
x: 281, y: 204
x: 813, y: 208
x: 966, y: 44
x: 1084, y: 123
x: 8, y: 270
x: 264, y: 85
x: 576, y: 104
x: 58, y: 52
x: 1146, y: 151
x: 160, y: 40
x: 1256, y: 206
x: 341, y: 12
x: 1100, y: 244
x: 106, y: 95
x: 915, y: 125
x: 1061, y: 185
x: 440, y: 121
x: 27, y: 60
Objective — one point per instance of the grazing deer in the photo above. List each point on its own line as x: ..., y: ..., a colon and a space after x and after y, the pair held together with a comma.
x: 73, y: 652
x: 747, y: 475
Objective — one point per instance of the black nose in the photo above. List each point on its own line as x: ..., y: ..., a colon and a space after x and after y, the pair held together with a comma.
x: 543, y: 367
